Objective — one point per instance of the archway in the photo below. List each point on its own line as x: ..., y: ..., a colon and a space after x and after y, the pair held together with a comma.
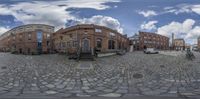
x: 86, y: 45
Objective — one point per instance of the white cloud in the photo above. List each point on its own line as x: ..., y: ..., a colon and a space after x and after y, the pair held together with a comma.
x: 185, y: 30
x: 104, y: 21
x: 183, y: 8
x: 196, y: 9
x: 3, y: 30
x: 168, y: 7
x: 176, y: 27
x: 194, y: 33
x: 50, y: 12
x: 149, y: 25
x: 98, y: 20
x: 94, y: 4
x: 4, y: 10
x: 147, y: 13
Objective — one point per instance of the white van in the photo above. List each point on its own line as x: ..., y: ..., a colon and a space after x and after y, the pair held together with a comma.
x: 151, y: 51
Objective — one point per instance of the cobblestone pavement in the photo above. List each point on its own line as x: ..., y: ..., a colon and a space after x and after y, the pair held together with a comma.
x: 133, y: 74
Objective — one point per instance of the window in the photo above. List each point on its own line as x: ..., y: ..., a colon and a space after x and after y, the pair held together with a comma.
x: 28, y: 28
x: 14, y: 37
x: 98, y: 30
x: 29, y: 36
x: 20, y: 36
x: 20, y: 29
x: 39, y: 26
x: 70, y: 35
x: 75, y: 44
x: 48, y: 36
x: 111, y: 44
x: 63, y: 44
x: 61, y: 38
x: 134, y: 42
x: 48, y: 43
x: 39, y: 36
x: 112, y: 34
x: 68, y: 44
x: 99, y: 43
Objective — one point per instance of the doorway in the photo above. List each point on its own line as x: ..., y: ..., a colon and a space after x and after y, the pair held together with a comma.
x: 86, y: 45
x: 20, y: 51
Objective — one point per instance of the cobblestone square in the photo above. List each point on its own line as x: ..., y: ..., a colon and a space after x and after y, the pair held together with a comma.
x: 133, y: 74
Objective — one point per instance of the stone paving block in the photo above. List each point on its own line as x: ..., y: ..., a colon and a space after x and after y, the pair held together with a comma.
x: 111, y: 95
x: 51, y: 92
x: 56, y: 77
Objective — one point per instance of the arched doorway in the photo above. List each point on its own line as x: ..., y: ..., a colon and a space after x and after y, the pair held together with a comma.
x: 111, y: 44
x: 99, y: 43
x: 86, y: 45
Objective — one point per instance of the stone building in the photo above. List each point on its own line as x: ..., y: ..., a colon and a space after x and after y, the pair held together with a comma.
x: 179, y: 44
x: 87, y: 38
x: 4, y: 43
x: 152, y: 40
x: 28, y: 39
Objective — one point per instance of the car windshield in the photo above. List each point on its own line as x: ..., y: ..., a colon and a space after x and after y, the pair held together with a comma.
x: 129, y: 49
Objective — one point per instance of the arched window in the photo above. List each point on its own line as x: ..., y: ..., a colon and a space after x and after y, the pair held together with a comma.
x: 111, y: 44
x: 99, y: 43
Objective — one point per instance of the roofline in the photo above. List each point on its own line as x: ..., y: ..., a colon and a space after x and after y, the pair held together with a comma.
x: 153, y: 33
x: 179, y: 39
x: 93, y: 26
x: 24, y: 26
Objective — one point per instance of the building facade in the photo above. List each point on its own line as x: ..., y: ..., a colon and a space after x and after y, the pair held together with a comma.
x: 153, y: 40
x: 188, y: 46
x: 28, y: 39
x: 87, y: 37
x: 134, y: 42
x: 198, y: 43
x: 179, y: 44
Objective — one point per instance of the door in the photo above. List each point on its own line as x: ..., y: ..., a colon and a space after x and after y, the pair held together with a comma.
x: 85, y: 45
x: 20, y: 51
x: 39, y: 41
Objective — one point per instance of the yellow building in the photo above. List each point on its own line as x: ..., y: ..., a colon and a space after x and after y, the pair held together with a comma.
x: 179, y: 44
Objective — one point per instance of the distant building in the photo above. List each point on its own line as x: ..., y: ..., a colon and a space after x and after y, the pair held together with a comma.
x: 188, y: 46
x: 27, y: 39
x: 153, y: 40
x: 149, y: 40
x: 134, y: 42
x: 179, y: 44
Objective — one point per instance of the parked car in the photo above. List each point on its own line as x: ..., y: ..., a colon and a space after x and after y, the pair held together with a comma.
x: 151, y: 51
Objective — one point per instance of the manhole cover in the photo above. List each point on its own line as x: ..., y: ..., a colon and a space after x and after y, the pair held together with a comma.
x: 4, y: 67
x: 162, y: 66
x: 137, y: 75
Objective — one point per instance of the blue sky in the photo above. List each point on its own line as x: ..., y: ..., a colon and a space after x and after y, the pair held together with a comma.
x: 181, y: 17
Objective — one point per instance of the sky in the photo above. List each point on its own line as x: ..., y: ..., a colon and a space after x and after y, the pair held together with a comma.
x: 181, y: 17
